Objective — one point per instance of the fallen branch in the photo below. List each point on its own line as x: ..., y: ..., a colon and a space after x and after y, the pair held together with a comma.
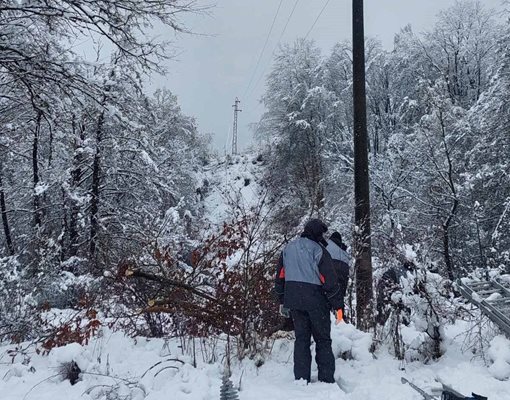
x: 170, y: 282
x: 161, y: 362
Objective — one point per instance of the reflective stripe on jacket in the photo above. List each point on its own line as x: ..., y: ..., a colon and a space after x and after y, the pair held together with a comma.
x: 301, y: 259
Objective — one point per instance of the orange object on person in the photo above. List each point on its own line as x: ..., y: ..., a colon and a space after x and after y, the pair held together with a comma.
x: 339, y: 315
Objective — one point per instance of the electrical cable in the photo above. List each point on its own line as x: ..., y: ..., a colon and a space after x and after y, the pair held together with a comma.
x: 317, y: 19
x: 286, y: 25
x: 263, y: 48
x: 276, y: 47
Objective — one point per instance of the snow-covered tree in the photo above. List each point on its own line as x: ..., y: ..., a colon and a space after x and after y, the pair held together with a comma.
x: 295, y: 127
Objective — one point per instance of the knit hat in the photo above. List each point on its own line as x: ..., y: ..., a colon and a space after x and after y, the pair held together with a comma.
x: 314, y: 229
x: 336, y: 238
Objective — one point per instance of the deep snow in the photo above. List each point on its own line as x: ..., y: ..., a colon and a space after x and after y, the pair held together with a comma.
x: 121, y: 366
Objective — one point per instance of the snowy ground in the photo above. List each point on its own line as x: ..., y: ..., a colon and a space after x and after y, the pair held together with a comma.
x: 117, y: 367
x: 231, y: 180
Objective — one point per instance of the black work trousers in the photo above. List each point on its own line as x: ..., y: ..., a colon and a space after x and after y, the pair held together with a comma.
x: 314, y: 323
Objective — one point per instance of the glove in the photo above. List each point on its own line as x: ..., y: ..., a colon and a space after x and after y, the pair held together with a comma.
x: 339, y: 315
x: 284, y: 312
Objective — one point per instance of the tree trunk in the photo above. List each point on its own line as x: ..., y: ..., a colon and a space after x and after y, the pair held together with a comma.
x: 446, y: 253
x: 453, y: 211
x: 364, y: 292
x: 483, y: 260
x: 76, y: 176
x: 96, y: 173
x: 35, y: 171
x: 94, y: 192
x: 5, y: 220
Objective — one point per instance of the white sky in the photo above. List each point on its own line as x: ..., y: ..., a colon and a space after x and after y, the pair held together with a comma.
x: 216, y: 66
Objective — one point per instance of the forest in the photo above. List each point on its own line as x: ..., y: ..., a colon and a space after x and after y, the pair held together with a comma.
x: 118, y: 216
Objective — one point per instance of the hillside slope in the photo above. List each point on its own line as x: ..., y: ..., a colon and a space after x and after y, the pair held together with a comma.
x: 231, y: 181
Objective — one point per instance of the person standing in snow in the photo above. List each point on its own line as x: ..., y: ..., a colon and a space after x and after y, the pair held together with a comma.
x: 308, y: 288
x: 341, y: 261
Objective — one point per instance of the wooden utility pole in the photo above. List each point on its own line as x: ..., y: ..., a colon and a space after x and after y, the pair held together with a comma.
x: 364, y: 292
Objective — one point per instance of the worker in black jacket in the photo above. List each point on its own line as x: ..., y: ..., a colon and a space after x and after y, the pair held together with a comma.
x: 337, y: 249
x: 308, y: 287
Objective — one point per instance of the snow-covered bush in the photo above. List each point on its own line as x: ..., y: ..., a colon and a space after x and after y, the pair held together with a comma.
x: 499, y: 353
x: 66, y: 290
x: 16, y: 314
x: 223, y: 287
x: 29, y: 314
x: 350, y: 343
x: 414, y: 305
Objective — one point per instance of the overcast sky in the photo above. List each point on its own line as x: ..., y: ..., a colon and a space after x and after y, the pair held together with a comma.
x: 216, y: 66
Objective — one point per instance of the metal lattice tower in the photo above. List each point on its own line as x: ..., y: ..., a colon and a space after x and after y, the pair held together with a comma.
x: 234, y: 130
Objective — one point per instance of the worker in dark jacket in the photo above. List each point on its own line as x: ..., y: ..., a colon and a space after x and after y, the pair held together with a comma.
x: 341, y: 261
x: 308, y: 286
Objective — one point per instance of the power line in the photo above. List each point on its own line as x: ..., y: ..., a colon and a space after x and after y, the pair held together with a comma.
x: 277, y: 44
x: 263, y: 48
x: 286, y: 25
x: 285, y: 28
x: 317, y: 19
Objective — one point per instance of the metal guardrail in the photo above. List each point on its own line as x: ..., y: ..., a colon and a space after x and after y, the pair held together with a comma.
x: 492, y: 309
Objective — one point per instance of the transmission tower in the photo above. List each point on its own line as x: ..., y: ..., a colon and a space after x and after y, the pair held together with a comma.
x: 234, y: 130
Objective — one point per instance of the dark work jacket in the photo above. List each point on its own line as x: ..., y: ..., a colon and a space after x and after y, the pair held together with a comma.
x: 341, y: 264
x: 306, y: 278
